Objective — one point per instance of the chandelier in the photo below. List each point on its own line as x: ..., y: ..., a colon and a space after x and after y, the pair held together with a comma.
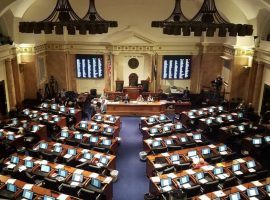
x: 206, y: 20
x: 64, y: 16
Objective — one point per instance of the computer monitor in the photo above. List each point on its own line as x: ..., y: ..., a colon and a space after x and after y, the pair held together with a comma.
x: 183, y: 139
x: 211, y: 110
x: 53, y: 106
x: 62, y: 109
x: 109, y: 129
x: 169, y: 142
x: 35, y: 128
x: 83, y: 125
x: 192, y: 153
x: 241, y: 128
x: 93, y: 139
x: 267, y: 188
x: 156, y: 143
x: 197, y: 136
x: 87, y: 156
x: 267, y: 138
x: 46, y: 116
x: 222, y: 148
x: 104, y: 160
x: 78, y: 136
x: 235, y: 196
x: 64, y: 133
x: 27, y: 194
x: 48, y: 198
x: 219, y: 119
x: 56, y: 119
x: 208, y: 121
x: 96, y: 183
x: 178, y: 126
x: 166, y: 128
x: 14, y: 159
x: 62, y: 173
x: 162, y: 117
x: 112, y: 119
x: 107, y: 142
x: 229, y: 117
x: 95, y: 127
x: 200, y: 112
x: 199, y: 175
x: 43, y: 145
x: 235, y: 167
x: 153, y: 130
x: 175, y: 157
x: 218, y: 170
x: 77, y: 177
x: 26, y: 111
x: 151, y: 119
x: 220, y: 108
x: 11, y: 187
x: 251, y: 192
x: 14, y: 121
x: 240, y: 115
x: 72, y: 152
x: 205, y: 151
x: 57, y: 148
x: 251, y: 164
x: 45, y: 168
x: 184, y: 179
x: 257, y: 141
x: 11, y: 137
x: 190, y: 114
x: 165, y: 182
x: 72, y: 110
x: 45, y: 105
x: 28, y: 164
x: 98, y: 117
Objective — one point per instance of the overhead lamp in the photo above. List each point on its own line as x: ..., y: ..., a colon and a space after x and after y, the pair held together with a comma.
x: 64, y: 16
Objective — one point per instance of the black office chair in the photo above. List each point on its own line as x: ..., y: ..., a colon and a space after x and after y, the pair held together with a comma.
x: 262, y: 174
x: 249, y: 177
x: 174, y: 148
x: 229, y: 182
x: 101, y: 149
x: 48, y: 156
x: 149, y: 196
x: 33, y: 153
x: 230, y: 156
x: 86, y: 194
x: 51, y: 183
x: 68, y: 189
x: 210, y: 186
x: 189, y: 145
x: 216, y: 159
x: 85, y: 146
x: 168, y: 170
x: 94, y: 168
x: 193, y: 191
x: 182, y: 166
x: 159, y: 150
x: 71, y: 142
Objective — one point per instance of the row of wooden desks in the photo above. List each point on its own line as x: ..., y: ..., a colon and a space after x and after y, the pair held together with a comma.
x: 39, y: 192
x: 58, y: 172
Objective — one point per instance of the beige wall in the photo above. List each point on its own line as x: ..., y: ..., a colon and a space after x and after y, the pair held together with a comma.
x: 265, y: 80
x: 3, y: 77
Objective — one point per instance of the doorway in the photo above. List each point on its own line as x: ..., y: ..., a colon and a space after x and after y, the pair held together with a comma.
x: 266, y: 98
x: 3, y: 100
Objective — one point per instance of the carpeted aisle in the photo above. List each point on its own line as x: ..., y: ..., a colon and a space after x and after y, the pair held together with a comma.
x: 132, y: 183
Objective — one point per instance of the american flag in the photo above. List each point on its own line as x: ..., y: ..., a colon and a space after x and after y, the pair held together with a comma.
x: 109, y: 65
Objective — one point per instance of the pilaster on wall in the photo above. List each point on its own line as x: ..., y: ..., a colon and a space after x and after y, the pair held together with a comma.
x: 10, y: 83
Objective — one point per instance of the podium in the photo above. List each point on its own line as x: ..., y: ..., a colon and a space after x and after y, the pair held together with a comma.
x: 119, y: 86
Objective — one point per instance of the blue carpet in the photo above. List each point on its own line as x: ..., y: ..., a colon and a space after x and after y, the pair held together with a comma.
x: 132, y: 183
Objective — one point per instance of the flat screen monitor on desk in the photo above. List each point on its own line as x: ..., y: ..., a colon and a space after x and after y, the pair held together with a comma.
x: 184, y: 179
x: 45, y: 197
x: 96, y: 183
x: 95, y: 127
x: 14, y: 159
x: 206, y: 151
x: 178, y: 126
x: 56, y: 119
x: 57, y: 148
x: 218, y: 170
x: 64, y: 133
x: 251, y: 164
x: 62, y: 109
x: 11, y: 137
x: 35, y: 128
x: 112, y: 119
x: 156, y: 143
x: 241, y: 128
x: 222, y: 148
x: 87, y: 156
x: 267, y: 138
x: 199, y: 175
x: 251, y: 192
x: 267, y: 188
x: 45, y: 168
x: 98, y: 117
x: 104, y: 160
x: 209, y: 121
x: 77, y: 177
x: 153, y: 130
x: 72, y: 110
x: 220, y: 108
x: 43, y: 145
x: 165, y: 182
x: 235, y: 196
x: 257, y: 141
x: 175, y: 157
x: 28, y: 164
x: 83, y: 124
x: 11, y: 187
x: 192, y: 153
x: 183, y: 139
x: 235, y: 167
x: 78, y: 136
x: 72, y: 152
x: 94, y: 139
x: 62, y: 173
x: 53, y: 106
x: 169, y: 142
x: 107, y: 142
x: 109, y: 129
x: 197, y: 136
x: 166, y: 128
x: 27, y: 194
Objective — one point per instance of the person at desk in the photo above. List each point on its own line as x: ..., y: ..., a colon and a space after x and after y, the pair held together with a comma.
x: 186, y: 93
x: 125, y: 98
x: 199, y: 164
x: 150, y: 98
x: 140, y: 98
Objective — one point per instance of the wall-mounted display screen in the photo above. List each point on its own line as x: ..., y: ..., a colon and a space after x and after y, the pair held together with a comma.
x: 90, y: 66
x: 176, y: 67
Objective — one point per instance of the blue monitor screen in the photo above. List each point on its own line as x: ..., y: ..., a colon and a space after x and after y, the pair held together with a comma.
x: 236, y: 167
x: 252, y: 191
x: 11, y: 187
x: 45, y: 168
x: 235, y: 196
x: 200, y: 175
x: 184, y: 179
x: 57, y: 148
x: 90, y: 66
x: 87, y: 156
x: 27, y: 194
x: 29, y: 164
x: 175, y: 157
x: 14, y: 159
x: 218, y: 170
x: 96, y: 183
x: 62, y: 172
x: 176, y: 67
x: 166, y: 182
x: 48, y: 198
x: 72, y: 152
x: 77, y: 177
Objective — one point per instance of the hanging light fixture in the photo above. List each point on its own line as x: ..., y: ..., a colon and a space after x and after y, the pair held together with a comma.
x: 93, y: 22
x: 64, y: 16
x: 206, y: 20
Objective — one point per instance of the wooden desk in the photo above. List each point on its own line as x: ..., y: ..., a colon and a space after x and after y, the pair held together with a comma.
x: 39, y: 191
x: 135, y: 109
x: 112, y: 120
x: 133, y: 92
